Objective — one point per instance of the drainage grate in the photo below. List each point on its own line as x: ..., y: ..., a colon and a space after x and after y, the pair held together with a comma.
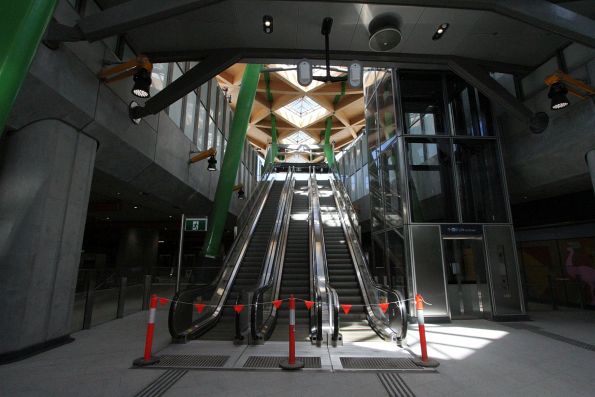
x: 395, y: 385
x: 191, y: 361
x: 162, y: 384
x: 377, y: 363
x: 273, y: 361
x: 551, y: 335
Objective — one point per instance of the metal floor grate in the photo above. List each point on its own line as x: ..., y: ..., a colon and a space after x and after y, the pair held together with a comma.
x: 377, y: 363
x: 191, y: 361
x: 162, y: 384
x: 551, y: 335
x: 273, y: 361
x: 395, y: 385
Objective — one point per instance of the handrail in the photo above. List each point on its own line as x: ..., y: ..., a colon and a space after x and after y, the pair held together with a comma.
x: 323, y: 292
x: 182, y: 323
x: 373, y: 293
x: 271, y: 278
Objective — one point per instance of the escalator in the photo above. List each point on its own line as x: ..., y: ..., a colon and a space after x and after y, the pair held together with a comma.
x: 341, y: 270
x: 296, y: 268
x: 250, y: 269
x: 349, y: 275
x: 241, y: 271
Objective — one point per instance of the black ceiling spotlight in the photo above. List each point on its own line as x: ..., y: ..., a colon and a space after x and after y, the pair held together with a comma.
x: 142, y: 83
x: 241, y: 194
x: 558, y: 96
x: 212, y: 166
x: 440, y: 31
x: 267, y: 24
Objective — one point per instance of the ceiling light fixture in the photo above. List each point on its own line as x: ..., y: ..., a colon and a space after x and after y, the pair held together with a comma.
x: 267, y: 24
x: 440, y: 31
x: 557, y: 94
x: 142, y: 83
x: 212, y: 166
x: 384, y: 33
x: 560, y: 84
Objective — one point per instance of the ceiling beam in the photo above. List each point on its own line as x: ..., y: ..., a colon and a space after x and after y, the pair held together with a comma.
x: 291, y: 55
x: 480, y: 79
x: 192, y: 79
x: 124, y: 17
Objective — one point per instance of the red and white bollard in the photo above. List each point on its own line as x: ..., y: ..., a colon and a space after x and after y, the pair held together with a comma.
x: 425, y: 361
x: 291, y: 362
x: 148, y: 359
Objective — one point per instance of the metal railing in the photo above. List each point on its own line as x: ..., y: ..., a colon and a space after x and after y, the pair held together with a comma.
x: 326, y: 315
x: 263, y: 314
x: 184, y: 322
x: 391, y: 325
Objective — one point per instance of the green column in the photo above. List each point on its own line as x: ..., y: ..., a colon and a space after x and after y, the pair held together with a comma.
x: 328, y: 149
x: 274, y: 145
x: 231, y: 160
x: 22, y: 24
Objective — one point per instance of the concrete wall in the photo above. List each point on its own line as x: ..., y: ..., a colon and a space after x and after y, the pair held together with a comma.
x: 152, y: 156
x: 45, y: 179
x: 552, y: 163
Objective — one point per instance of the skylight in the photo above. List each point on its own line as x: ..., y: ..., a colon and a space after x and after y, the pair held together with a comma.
x: 302, y: 112
x: 299, y: 138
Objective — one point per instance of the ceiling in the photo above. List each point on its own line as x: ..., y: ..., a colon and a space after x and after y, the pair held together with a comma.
x: 346, y: 107
x: 476, y: 34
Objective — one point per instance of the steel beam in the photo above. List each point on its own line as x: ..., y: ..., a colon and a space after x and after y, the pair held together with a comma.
x: 231, y: 160
x: 192, y: 79
x: 480, y: 79
x: 123, y: 18
x: 275, y: 55
x: 22, y: 24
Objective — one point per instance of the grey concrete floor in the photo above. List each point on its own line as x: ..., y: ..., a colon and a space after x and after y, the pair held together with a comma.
x: 478, y: 358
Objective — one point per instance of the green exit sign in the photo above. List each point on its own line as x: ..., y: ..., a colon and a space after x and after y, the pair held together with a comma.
x: 195, y: 225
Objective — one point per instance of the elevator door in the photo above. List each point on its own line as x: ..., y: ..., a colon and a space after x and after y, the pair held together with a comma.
x: 467, y: 286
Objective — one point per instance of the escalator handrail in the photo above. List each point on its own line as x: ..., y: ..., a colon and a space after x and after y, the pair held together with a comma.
x: 274, y: 268
x: 367, y: 283
x: 322, y: 289
x: 229, y: 269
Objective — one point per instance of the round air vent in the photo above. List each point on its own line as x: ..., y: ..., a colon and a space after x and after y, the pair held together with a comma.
x: 384, y: 32
x: 385, y: 38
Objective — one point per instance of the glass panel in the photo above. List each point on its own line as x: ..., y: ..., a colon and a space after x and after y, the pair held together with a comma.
x: 429, y: 272
x: 396, y: 260
x: 386, y: 107
x: 378, y: 252
x: 485, y: 116
x: 211, y: 136
x: 189, y: 116
x: 423, y: 103
x: 503, y: 270
x: 175, y: 110
x: 219, y: 148
x: 202, y: 120
x: 468, y: 292
x: 480, y: 185
x: 213, y: 99
x: 462, y: 107
x: 430, y: 180
x: 392, y: 191
x: 204, y: 94
x: 159, y: 77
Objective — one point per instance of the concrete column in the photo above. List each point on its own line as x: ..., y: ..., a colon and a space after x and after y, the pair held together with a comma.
x: 45, y: 180
x: 590, y: 157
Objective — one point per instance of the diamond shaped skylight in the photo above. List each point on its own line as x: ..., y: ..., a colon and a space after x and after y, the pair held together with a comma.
x: 302, y: 112
x: 299, y: 138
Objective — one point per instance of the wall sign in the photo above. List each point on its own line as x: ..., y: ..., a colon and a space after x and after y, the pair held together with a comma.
x: 195, y: 224
x: 462, y: 230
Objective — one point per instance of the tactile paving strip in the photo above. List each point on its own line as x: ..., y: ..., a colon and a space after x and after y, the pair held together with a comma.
x: 395, y: 385
x: 273, y: 361
x: 377, y: 363
x: 551, y: 335
x: 191, y: 361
